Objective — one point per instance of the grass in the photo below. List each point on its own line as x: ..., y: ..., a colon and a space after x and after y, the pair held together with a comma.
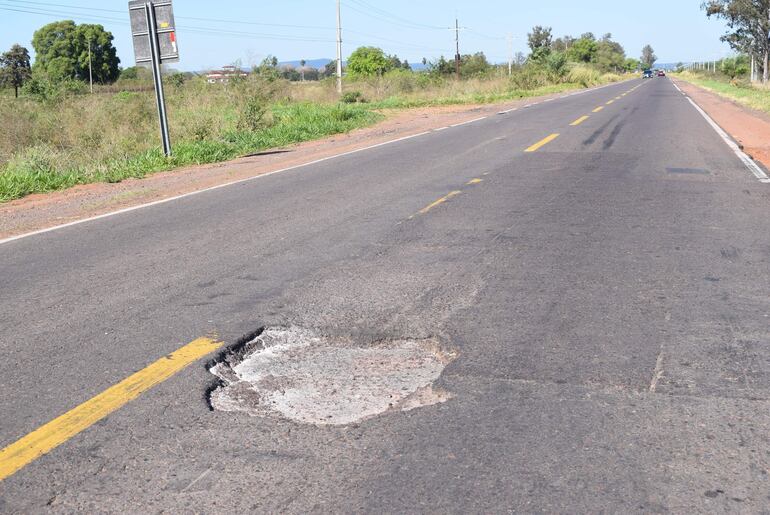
x: 49, y: 144
x: 51, y: 165
x: 755, y: 96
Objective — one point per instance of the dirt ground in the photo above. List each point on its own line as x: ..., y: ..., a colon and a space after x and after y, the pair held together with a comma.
x: 750, y: 128
x: 41, y: 211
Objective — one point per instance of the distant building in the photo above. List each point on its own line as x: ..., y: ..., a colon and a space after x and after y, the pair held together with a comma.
x: 224, y: 75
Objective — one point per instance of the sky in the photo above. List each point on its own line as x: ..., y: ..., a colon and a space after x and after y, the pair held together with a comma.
x: 215, y: 33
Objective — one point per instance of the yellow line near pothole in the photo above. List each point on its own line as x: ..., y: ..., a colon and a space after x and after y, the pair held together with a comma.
x: 579, y: 121
x: 439, y: 202
x: 49, y: 436
x: 543, y: 142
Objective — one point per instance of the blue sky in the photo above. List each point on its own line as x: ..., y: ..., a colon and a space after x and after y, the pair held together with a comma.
x: 214, y: 33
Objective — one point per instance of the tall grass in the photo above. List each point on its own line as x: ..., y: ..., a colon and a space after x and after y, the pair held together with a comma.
x: 112, y: 137
x: 62, y: 138
x: 756, y: 96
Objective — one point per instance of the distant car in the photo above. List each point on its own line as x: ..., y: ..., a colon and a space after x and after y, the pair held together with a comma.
x: 647, y: 74
x: 661, y: 73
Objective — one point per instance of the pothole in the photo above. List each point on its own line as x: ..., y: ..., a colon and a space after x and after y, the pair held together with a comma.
x: 308, y: 378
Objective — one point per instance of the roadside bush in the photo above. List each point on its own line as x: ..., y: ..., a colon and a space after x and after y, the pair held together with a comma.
x: 584, y: 75
x: 352, y: 97
x: 528, y: 77
x: 43, y: 89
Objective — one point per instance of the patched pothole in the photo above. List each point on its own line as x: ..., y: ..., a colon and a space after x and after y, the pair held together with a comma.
x: 308, y: 378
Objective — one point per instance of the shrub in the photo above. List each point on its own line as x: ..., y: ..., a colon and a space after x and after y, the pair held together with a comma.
x: 351, y: 97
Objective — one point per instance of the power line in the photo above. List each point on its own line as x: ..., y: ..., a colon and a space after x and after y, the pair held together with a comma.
x: 189, y: 28
x: 193, y: 18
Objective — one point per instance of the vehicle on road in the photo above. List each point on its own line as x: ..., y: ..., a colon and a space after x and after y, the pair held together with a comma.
x: 661, y: 73
x: 647, y: 74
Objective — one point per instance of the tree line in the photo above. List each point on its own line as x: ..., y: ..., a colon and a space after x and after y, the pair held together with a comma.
x: 748, y: 23
x: 64, y: 50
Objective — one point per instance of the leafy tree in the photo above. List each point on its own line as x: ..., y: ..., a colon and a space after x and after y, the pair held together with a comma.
x: 583, y: 50
x: 302, y: 64
x: 648, y: 57
x: 556, y: 64
x: 539, y: 41
x: 268, y: 69
x: 62, y: 49
x: 749, y: 27
x: 15, y: 69
x: 330, y: 70
x: 610, y: 55
x: 562, y: 44
x: 368, y: 61
x: 631, y: 64
x: 734, y: 66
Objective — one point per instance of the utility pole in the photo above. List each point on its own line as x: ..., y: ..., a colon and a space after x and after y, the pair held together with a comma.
x: 457, y: 44
x: 510, y: 54
x: 339, y: 49
x: 90, y: 68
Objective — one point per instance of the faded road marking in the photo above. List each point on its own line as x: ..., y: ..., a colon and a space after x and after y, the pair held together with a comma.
x: 439, y: 202
x: 59, y: 430
x: 610, y: 102
x: 474, y: 181
x: 579, y: 121
x: 542, y: 143
x: 598, y: 109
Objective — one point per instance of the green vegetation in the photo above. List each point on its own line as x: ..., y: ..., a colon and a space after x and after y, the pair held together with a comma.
x: 112, y: 137
x: 55, y: 135
x: 15, y: 68
x: 62, y: 52
x: 748, y: 23
x: 742, y: 91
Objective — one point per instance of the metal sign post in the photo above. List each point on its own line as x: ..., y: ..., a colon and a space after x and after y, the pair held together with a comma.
x: 154, y: 33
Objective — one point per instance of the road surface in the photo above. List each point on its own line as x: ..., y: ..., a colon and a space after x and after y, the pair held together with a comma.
x: 601, y: 274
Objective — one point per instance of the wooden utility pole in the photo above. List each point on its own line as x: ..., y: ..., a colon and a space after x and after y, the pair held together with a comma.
x: 457, y: 44
x: 339, y: 49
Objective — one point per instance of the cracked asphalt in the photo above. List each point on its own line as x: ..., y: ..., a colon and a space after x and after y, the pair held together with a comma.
x: 606, y: 293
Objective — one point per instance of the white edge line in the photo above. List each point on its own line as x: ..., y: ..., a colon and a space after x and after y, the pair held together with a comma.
x: 750, y: 164
x: 211, y: 188
x: 469, y: 121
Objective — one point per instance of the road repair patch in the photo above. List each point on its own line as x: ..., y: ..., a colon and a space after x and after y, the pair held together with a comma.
x: 308, y: 378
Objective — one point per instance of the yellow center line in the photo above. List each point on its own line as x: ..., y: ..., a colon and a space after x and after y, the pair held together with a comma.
x: 542, y: 143
x: 579, y: 121
x: 598, y: 109
x: 474, y: 181
x: 610, y: 102
x: 49, y: 436
x: 439, y: 202
x: 618, y: 98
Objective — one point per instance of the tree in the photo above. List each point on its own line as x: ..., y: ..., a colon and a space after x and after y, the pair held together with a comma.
x: 62, y: 51
x: 15, y: 68
x: 330, y: 70
x: 302, y: 64
x: 368, y: 61
x: 610, y: 55
x: 539, y: 41
x: 583, y: 50
x: 648, y: 57
x: 749, y: 24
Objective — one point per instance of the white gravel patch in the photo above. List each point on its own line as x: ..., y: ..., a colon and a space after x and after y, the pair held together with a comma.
x: 299, y: 375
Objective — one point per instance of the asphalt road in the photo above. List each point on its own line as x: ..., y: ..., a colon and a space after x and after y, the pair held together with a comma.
x: 606, y: 293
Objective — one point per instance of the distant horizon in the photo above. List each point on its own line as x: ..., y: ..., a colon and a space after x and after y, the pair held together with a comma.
x: 212, y: 38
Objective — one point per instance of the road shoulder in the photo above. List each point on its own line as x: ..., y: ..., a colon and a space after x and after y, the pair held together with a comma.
x: 749, y: 128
